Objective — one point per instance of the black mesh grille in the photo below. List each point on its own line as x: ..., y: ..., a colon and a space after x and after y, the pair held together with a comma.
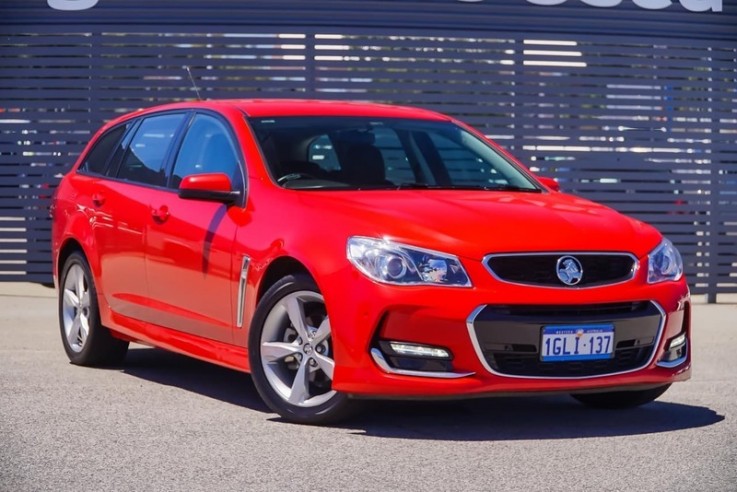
x: 556, y: 311
x: 598, y: 269
x: 509, y: 337
x: 530, y: 364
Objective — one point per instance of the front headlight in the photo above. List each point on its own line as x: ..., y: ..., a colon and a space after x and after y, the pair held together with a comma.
x: 664, y: 263
x: 398, y: 264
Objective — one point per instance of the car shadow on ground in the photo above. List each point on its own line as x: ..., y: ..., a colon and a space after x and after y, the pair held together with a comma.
x: 522, y: 418
x: 487, y: 419
x: 203, y: 378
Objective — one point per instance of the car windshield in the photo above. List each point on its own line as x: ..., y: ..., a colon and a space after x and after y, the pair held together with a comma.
x: 339, y: 153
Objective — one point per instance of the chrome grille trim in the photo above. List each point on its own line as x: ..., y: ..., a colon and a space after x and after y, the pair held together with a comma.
x: 482, y: 359
x: 633, y: 271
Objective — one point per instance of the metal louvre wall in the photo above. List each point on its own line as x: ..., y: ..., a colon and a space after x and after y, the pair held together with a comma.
x: 645, y: 124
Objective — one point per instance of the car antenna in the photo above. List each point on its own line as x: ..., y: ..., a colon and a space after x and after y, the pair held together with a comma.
x: 194, y: 86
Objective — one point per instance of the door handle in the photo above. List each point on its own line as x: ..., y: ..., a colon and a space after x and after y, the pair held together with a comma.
x: 160, y: 214
x: 98, y: 199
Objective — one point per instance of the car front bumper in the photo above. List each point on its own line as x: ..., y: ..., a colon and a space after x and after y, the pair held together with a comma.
x: 493, y: 331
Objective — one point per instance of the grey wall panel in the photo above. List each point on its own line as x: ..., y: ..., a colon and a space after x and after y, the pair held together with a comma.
x: 629, y: 107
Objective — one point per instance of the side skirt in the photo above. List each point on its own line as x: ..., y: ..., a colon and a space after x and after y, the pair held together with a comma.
x: 200, y: 348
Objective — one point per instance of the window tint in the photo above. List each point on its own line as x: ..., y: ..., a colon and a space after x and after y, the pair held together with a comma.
x: 97, y: 159
x: 120, y: 150
x: 306, y: 152
x: 322, y: 153
x: 207, y: 148
x: 396, y: 162
x: 464, y: 166
x: 144, y: 161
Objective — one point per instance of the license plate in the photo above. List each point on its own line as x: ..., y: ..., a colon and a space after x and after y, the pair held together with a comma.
x: 577, y: 342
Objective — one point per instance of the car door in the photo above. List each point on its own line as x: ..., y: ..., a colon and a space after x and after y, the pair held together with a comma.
x: 121, y: 211
x: 189, y: 245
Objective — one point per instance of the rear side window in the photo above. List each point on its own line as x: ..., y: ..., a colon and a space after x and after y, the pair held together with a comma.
x: 96, y: 160
x: 144, y: 161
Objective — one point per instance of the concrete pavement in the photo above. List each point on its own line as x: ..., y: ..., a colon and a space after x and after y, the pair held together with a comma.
x: 163, y: 422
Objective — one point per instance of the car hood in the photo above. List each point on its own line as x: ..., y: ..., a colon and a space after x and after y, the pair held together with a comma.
x: 473, y: 224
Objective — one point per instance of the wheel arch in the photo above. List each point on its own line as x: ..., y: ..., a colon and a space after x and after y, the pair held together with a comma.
x: 316, y: 402
x: 278, y: 269
x: 69, y: 246
x: 72, y: 230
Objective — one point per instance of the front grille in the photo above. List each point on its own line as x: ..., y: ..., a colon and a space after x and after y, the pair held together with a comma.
x: 540, y: 269
x: 530, y: 365
x: 508, y: 337
x: 571, y: 312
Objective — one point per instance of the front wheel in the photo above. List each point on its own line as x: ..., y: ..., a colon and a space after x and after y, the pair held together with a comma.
x: 621, y: 399
x: 291, y: 353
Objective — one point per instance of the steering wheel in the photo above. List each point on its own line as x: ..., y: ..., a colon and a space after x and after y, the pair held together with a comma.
x: 294, y: 176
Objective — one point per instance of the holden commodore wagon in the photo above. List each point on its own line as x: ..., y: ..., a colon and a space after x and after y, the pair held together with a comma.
x: 339, y: 251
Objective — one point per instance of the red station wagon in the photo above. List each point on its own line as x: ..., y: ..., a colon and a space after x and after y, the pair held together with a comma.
x: 339, y: 251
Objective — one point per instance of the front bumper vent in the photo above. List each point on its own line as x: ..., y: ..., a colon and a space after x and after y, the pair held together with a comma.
x: 508, y: 338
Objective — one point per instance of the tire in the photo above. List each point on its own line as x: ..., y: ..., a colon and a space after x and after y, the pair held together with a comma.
x: 291, y: 354
x: 615, y: 400
x: 85, y: 340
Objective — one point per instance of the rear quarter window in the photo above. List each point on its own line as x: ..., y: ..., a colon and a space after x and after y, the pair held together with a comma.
x: 98, y: 158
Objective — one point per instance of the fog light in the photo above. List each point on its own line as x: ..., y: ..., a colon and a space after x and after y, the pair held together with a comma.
x: 677, y: 341
x: 414, y: 350
x: 676, y: 352
x: 395, y: 356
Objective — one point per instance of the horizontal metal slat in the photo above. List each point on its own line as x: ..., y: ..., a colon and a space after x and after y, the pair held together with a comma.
x: 690, y: 92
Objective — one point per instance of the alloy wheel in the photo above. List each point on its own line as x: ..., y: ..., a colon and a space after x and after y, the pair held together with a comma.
x: 76, y: 308
x: 296, y: 353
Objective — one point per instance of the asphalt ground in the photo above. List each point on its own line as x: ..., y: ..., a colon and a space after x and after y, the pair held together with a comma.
x: 163, y: 422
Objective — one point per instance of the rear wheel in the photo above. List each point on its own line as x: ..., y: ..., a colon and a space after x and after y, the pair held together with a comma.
x: 85, y: 340
x: 621, y: 399
x: 291, y: 354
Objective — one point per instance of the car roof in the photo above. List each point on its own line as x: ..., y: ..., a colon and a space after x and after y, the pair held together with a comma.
x: 300, y: 107
x: 259, y: 108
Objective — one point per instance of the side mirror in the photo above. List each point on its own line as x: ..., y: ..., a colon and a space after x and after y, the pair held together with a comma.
x: 549, y: 183
x: 213, y: 187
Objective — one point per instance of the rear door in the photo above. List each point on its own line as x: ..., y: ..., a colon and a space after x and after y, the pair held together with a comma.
x: 134, y: 177
x: 191, y: 274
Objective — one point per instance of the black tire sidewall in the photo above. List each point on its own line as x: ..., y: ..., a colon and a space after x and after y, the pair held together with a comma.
x: 330, y: 411
x: 99, y: 345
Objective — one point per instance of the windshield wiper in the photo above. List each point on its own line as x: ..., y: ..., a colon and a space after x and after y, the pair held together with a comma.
x: 425, y: 186
x: 415, y: 186
x: 513, y: 188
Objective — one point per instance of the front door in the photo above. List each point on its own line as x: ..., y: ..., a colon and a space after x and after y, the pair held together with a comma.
x: 190, y: 267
